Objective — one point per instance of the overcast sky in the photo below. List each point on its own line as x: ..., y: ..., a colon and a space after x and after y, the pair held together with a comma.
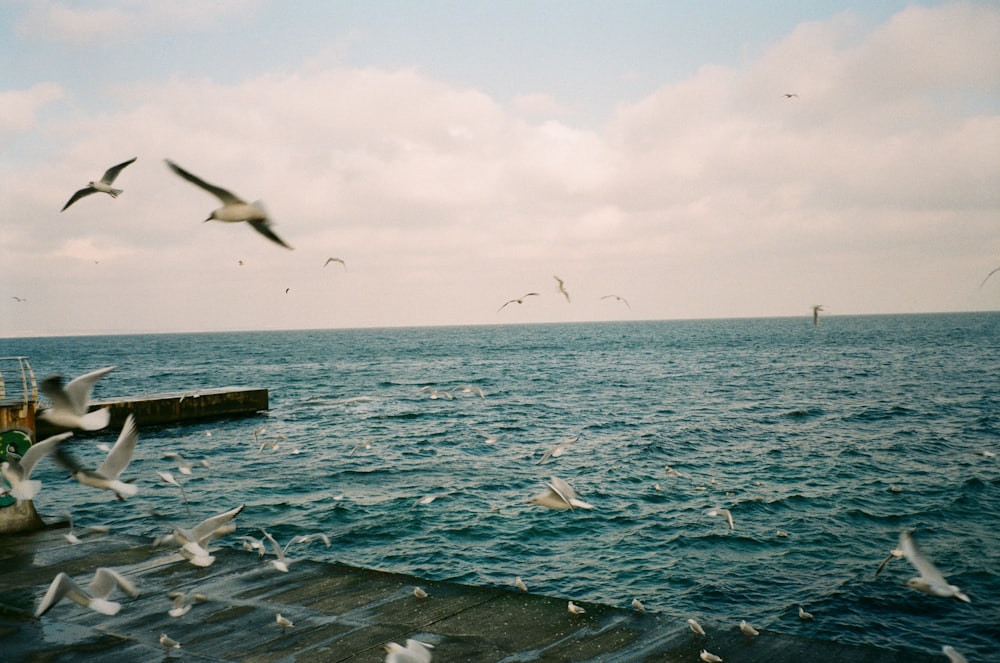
x: 457, y: 155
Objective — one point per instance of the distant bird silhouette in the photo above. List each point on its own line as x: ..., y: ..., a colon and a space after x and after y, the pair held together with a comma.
x: 561, y: 288
x: 519, y: 300
x: 980, y: 285
x: 19, y: 299
x: 618, y: 297
x: 103, y: 185
x: 234, y: 209
x: 789, y: 95
x: 329, y: 260
x: 816, y: 309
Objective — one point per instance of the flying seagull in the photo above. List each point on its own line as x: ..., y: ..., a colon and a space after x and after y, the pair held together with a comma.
x: 816, y: 309
x: 930, y: 579
x: 19, y: 299
x: 107, y: 475
x: 18, y: 472
x: 980, y: 285
x: 724, y: 513
x: 94, y: 596
x: 103, y: 185
x: 789, y: 95
x: 234, y: 208
x: 329, y: 260
x: 519, y: 300
x: 194, y: 542
x: 70, y: 404
x: 415, y: 651
x: 559, y: 495
x: 618, y: 297
x: 561, y: 288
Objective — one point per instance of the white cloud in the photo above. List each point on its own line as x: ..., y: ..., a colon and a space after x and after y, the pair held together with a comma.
x: 19, y: 108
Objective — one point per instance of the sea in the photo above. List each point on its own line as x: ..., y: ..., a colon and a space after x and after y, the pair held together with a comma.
x: 824, y: 443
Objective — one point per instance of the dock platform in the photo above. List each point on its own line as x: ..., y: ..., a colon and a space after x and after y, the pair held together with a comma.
x: 341, y: 613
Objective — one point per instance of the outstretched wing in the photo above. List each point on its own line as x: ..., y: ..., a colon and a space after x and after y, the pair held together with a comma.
x: 85, y: 191
x: 39, y: 450
x: 105, y: 580
x: 206, y: 528
x: 121, y: 454
x: 264, y: 228
x: 225, y: 196
x: 927, y: 569
x: 79, y: 389
x: 111, y: 173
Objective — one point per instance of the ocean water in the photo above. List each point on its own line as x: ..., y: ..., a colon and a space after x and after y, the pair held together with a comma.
x: 788, y: 426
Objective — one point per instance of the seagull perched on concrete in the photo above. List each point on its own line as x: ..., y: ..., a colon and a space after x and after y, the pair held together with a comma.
x: 283, y: 622
x: 103, y: 185
x: 574, y: 609
x: 561, y: 288
x: 234, y: 209
x: 930, y: 579
x: 71, y: 404
x: 519, y: 300
x: 18, y: 471
x: 108, y: 475
x: 94, y: 596
x: 709, y: 657
x: 695, y: 627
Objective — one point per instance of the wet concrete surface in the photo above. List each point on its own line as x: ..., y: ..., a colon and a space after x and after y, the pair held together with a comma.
x: 340, y: 613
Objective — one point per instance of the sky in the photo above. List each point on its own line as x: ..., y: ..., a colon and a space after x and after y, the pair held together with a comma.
x: 457, y: 155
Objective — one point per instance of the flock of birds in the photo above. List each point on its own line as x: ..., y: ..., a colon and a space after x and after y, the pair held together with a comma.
x: 69, y: 410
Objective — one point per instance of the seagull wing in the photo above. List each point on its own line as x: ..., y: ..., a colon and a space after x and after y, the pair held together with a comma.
x: 39, y: 450
x: 980, y: 285
x: 263, y: 226
x: 206, y: 528
x: 892, y: 555
x: 927, y: 570
x: 121, y: 454
x: 225, y: 196
x: 563, y: 490
x: 111, y: 173
x: 274, y: 544
x: 62, y: 587
x: 85, y: 191
x: 79, y: 389
x: 105, y: 580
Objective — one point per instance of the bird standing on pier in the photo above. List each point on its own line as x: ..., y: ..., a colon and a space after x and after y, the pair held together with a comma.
x: 102, y: 185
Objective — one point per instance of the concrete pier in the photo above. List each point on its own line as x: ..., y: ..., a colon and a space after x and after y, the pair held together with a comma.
x: 341, y: 613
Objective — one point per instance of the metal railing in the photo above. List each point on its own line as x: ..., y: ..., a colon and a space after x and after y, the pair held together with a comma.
x: 20, y: 369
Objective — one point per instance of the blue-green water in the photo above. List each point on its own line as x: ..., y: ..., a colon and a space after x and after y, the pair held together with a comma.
x: 790, y: 427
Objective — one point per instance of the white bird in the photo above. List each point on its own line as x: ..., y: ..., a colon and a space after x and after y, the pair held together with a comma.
x: 435, y: 394
x: 574, y: 609
x: 194, y: 542
x: 696, y: 627
x: 803, y: 615
x: 748, y: 630
x: 329, y: 260
x: 520, y: 584
x: 70, y: 404
x: 519, y: 300
x: 722, y: 512
x: 988, y: 276
x: 250, y: 544
x: 557, y: 450
x: 168, y: 643
x: 367, y: 444
x: 427, y: 499
x: 930, y: 579
x: 618, y: 297
x: 234, y: 209
x: 283, y: 622
x: 470, y: 389
x: 273, y: 445
x: 183, y: 602
x: 185, y: 466
x: 108, y: 475
x: 419, y: 593
x: 95, y: 596
x: 18, y: 472
x: 637, y: 605
x: 280, y: 562
x: 953, y: 655
x: 414, y: 652
x: 559, y: 496
x: 561, y: 288
x: 709, y: 657
x: 308, y: 538
x: 102, y: 185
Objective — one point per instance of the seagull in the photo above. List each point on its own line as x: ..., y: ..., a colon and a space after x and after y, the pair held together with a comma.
x: 108, y: 475
x: 618, y: 297
x: 519, y: 300
x: 696, y: 627
x: 427, y: 499
x: 18, y: 472
x: 953, y: 656
x: 561, y: 288
x: 329, y: 260
x: 574, y: 609
x: 414, y: 652
x: 748, y: 630
x: 250, y: 544
x: 103, y: 185
x: 273, y: 445
x: 637, y: 605
x: 789, y: 95
x: 70, y: 404
x: 183, y: 465
x: 183, y: 602
x: 194, y: 541
x: 490, y: 439
x: 280, y: 562
x: 169, y: 478
x: 283, y: 622
x: 722, y: 512
x: 559, y: 496
x: 470, y: 389
x: 520, y: 584
x: 367, y: 444
x: 557, y: 449
x: 709, y: 657
x: 435, y: 394
x: 19, y: 299
x: 168, y: 643
x: 419, y: 593
x: 930, y: 579
x: 816, y: 309
x: 980, y: 285
x: 803, y: 615
x: 234, y: 209
x: 95, y: 596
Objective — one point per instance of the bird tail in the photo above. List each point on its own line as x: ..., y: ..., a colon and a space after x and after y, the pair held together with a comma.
x: 116, y: 192
x: 124, y: 489
x: 104, y: 606
x: 97, y: 419
x: 27, y: 489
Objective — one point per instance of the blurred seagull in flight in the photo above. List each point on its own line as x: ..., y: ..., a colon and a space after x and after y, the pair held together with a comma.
x: 561, y: 288
x: 557, y: 449
x: 103, y: 185
x: 722, y: 512
x: 71, y: 404
x: 414, y: 652
x: 953, y: 655
x: 930, y: 579
x: 194, y: 542
x: 329, y: 260
x: 893, y: 554
x: 618, y: 297
x: 980, y: 285
x: 108, y: 475
x: 519, y: 300
x: 183, y: 602
x: 559, y: 496
x: 234, y: 209
x: 17, y: 472
x: 789, y: 95
x: 94, y: 596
